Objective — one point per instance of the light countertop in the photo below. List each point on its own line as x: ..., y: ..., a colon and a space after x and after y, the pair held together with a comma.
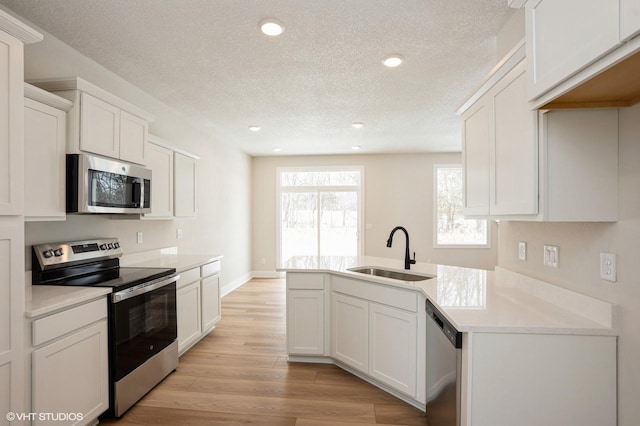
x: 475, y: 300
x: 45, y: 299
x: 182, y: 262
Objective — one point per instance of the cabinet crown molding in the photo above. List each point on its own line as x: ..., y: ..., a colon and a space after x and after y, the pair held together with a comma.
x: 19, y: 29
x: 47, y: 98
x: 58, y: 84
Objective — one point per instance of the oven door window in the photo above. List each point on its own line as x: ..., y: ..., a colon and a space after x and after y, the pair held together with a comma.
x: 142, y: 327
x: 113, y: 190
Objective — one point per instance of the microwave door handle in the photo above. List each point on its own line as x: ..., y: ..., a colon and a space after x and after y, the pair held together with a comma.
x: 137, y: 193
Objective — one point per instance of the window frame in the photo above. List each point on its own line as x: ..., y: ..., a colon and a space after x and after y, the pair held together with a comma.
x: 359, y: 189
x: 487, y: 245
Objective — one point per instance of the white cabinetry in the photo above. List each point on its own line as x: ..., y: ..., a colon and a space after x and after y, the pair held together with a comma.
x: 160, y: 161
x: 101, y: 123
x: 350, y: 331
x: 185, y: 185
x: 375, y: 329
x: 306, y: 314
x: 70, y: 363
x: 565, y: 36
x: 44, y: 150
x: 197, y: 303
x: 13, y: 34
x: 188, y: 307
x: 526, y: 165
x: 210, y: 287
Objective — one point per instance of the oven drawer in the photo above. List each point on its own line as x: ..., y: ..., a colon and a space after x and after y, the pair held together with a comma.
x: 56, y: 325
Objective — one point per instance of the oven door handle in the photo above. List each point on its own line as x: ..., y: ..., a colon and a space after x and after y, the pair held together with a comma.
x: 143, y: 288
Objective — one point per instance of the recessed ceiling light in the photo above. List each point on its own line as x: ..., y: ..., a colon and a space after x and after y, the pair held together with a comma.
x: 355, y: 147
x: 277, y: 149
x: 254, y: 128
x: 393, y: 61
x: 271, y: 27
x: 358, y: 125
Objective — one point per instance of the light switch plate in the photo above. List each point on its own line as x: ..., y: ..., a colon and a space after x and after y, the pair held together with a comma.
x: 139, y: 237
x: 551, y: 256
x: 608, y: 267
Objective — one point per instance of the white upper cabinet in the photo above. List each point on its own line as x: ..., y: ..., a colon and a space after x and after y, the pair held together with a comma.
x: 160, y: 161
x: 101, y: 123
x: 629, y: 19
x: 44, y: 152
x: 564, y: 36
x: 185, y: 185
x: 475, y: 159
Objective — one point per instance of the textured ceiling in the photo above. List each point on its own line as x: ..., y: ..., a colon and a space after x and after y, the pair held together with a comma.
x: 207, y: 59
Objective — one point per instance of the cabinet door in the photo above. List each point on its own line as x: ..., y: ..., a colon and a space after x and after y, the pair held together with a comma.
x: 514, y: 153
x: 564, y: 36
x: 133, y: 138
x: 475, y: 159
x: 350, y: 331
x: 185, y: 186
x: 11, y: 125
x: 188, y: 312
x: 99, y: 127
x: 393, y: 347
x: 210, y: 302
x: 629, y: 19
x: 305, y: 322
x: 44, y: 168
x: 160, y: 161
x: 11, y: 313
x: 71, y: 375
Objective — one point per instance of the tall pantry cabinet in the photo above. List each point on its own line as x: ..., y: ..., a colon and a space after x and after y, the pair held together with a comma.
x: 13, y: 35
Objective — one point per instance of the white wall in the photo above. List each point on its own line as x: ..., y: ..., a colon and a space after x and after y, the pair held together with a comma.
x: 398, y: 190
x: 580, y: 248
x: 223, y: 177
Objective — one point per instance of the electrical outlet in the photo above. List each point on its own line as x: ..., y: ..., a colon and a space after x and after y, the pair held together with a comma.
x: 179, y: 233
x: 551, y: 256
x: 608, y: 266
x: 263, y: 261
x: 139, y: 237
x: 522, y: 250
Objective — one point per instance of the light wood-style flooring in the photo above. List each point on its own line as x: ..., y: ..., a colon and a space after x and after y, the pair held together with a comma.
x: 239, y: 374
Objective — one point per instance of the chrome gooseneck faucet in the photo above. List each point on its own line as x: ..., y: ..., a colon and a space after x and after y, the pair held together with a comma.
x: 407, y: 260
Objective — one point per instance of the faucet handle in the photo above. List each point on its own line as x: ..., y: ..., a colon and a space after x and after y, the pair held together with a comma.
x: 413, y: 261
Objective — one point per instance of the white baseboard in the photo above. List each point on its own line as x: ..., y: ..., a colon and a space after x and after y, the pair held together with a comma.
x: 229, y: 287
x: 268, y: 274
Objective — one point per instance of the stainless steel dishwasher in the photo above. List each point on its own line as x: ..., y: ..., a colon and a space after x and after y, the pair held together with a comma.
x: 444, y: 360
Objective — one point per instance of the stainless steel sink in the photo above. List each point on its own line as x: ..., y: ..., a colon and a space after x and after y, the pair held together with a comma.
x: 390, y: 273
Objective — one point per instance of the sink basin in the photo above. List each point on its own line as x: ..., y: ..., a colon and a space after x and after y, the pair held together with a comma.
x: 390, y: 273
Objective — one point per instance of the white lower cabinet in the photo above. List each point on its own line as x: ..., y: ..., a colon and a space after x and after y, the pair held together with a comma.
x: 70, y: 364
x: 393, y: 347
x: 350, y: 331
x: 197, y: 303
x: 306, y: 314
x: 188, y: 312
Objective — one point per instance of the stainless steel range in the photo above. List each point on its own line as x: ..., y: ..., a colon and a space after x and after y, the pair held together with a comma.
x: 143, y: 347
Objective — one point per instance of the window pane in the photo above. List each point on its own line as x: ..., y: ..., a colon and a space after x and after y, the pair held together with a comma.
x: 452, y: 227
x: 320, y: 178
x: 339, y: 224
x: 299, y: 225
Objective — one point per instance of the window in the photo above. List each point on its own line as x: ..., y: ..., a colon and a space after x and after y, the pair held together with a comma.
x: 451, y: 227
x: 319, y: 212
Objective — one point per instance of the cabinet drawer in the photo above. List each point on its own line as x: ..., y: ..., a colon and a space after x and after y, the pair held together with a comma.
x: 187, y: 277
x: 56, y: 325
x: 210, y: 269
x: 389, y: 296
x: 305, y: 281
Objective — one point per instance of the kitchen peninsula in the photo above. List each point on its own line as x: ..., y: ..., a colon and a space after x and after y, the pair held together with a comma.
x: 375, y: 328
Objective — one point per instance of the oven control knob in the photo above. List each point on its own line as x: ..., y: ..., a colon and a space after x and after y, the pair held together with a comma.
x: 116, y: 245
x: 110, y: 246
x: 47, y: 253
x: 103, y: 246
x: 58, y: 252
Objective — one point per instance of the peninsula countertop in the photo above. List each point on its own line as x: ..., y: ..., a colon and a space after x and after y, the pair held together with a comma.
x: 476, y: 300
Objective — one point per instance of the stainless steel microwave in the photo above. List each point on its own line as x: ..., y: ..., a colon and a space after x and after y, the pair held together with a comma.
x: 100, y: 185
